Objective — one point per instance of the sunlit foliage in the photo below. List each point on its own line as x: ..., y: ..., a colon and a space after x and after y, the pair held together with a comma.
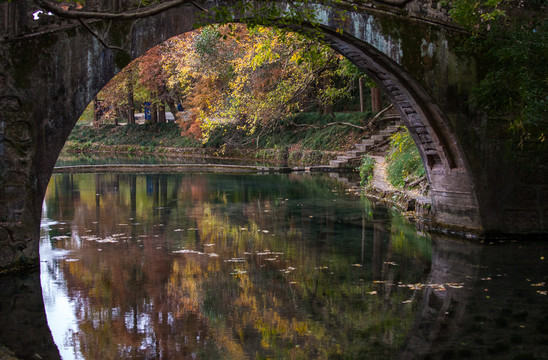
x: 254, y: 76
x: 403, y: 160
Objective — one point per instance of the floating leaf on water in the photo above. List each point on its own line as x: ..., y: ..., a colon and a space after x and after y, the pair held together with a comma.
x: 542, y: 292
x: 379, y: 281
x: 235, y: 260
x: 122, y: 224
x: 179, y: 230
x: 187, y: 251
x: 265, y: 231
x: 406, y: 301
x: 60, y: 237
x: 293, y: 283
x: 486, y: 279
x: 209, y: 245
x: 243, y: 229
x: 390, y: 263
x: 238, y: 272
x: 357, y: 265
x: 71, y: 260
x: 321, y: 268
x: 372, y: 292
x: 213, y: 255
x: 539, y: 284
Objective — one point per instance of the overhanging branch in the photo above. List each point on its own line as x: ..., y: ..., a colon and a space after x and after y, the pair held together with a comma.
x: 126, y: 15
x: 101, y: 40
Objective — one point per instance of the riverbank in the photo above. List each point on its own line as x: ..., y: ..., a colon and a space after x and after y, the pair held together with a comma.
x: 306, y: 139
x: 285, y: 150
x: 275, y: 156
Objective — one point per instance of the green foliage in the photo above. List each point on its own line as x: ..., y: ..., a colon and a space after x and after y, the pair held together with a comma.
x: 476, y: 15
x: 366, y: 170
x: 513, y: 53
x: 516, y: 84
x: 206, y: 42
x: 403, y: 159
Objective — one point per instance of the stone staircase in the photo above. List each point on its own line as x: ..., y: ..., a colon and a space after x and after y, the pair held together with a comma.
x: 390, y: 124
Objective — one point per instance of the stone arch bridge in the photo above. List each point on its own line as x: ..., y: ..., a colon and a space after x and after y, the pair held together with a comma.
x: 52, y: 67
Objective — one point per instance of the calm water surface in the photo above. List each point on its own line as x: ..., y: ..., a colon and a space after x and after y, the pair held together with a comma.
x: 215, y: 266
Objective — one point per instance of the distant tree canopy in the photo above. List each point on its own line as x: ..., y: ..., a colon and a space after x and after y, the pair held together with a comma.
x: 252, y: 76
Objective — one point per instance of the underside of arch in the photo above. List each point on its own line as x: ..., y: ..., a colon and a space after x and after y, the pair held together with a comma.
x: 455, y: 205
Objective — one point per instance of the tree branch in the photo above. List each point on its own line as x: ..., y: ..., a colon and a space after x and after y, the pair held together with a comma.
x: 101, y: 40
x: 127, y: 15
x: 369, y: 125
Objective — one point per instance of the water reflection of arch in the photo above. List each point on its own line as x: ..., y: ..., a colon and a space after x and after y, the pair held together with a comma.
x: 490, y: 308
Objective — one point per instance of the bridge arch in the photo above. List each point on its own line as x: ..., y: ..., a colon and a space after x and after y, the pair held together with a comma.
x: 413, y: 59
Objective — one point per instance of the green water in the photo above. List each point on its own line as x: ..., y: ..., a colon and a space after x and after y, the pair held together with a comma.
x: 225, y: 267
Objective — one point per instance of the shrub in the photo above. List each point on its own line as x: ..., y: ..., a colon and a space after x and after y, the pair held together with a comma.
x: 403, y: 159
x: 366, y: 170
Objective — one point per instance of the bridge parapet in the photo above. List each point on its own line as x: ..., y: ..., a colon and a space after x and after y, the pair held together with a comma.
x: 27, y: 17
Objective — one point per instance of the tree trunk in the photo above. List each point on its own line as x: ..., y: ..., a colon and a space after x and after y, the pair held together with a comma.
x: 361, y: 93
x: 154, y: 113
x: 130, y: 101
x: 95, y: 113
x: 172, y: 107
x: 376, y: 99
x: 162, y: 113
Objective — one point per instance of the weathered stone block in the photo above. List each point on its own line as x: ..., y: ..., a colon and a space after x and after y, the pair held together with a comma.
x: 19, y: 131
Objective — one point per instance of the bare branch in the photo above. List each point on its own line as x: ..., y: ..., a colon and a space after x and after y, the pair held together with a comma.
x: 368, y: 126
x: 308, y: 126
x: 127, y: 15
x: 101, y: 40
x: 380, y: 113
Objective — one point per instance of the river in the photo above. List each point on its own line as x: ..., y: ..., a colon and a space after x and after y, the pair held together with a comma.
x: 285, y: 266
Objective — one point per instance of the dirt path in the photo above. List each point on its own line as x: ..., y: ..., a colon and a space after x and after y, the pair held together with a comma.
x: 380, y: 180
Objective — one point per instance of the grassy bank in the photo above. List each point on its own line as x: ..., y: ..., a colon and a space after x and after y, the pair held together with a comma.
x: 306, y: 139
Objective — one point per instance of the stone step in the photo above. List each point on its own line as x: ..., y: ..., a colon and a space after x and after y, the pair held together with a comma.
x: 385, y: 132
x: 392, y: 128
x: 335, y: 163
x: 356, y: 153
x: 368, y: 142
x: 362, y: 147
x: 379, y: 138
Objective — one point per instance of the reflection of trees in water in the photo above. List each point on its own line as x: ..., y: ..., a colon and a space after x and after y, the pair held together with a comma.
x: 137, y: 299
